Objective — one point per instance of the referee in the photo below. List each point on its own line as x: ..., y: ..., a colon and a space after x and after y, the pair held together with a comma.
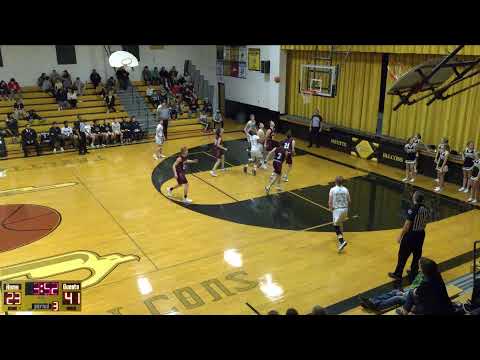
x: 79, y: 128
x: 412, y: 237
x: 315, y: 128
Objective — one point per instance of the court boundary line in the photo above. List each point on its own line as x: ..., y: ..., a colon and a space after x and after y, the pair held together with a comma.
x: 114, y: 219
x: 310, y: 201
x: 213, y: 186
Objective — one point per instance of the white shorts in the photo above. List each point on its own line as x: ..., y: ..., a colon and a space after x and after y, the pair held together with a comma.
x: 256, y: 155
x: 159, y: 141
x: 339, y: 216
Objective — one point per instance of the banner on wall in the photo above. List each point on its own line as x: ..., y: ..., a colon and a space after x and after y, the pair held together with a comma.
x: 254, y: 59
x: 242, y: 70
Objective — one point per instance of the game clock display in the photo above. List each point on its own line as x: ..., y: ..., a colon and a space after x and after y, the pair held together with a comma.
x: 41, y: 296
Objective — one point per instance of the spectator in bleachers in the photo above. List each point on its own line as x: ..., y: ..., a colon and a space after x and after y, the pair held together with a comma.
x: 32, y: 115
x: 318, y: 310
x: 149, y: 91
x: 117, y: 131
x: 106, y: 133
x: 173, y: 73
x: 96, y: 134
x: 14, y: 88
x: 163, y: 72
x: 125, y: 128
x: 162, y: 93
x: 89, y: 136
x: 29, y: 138
x: 19, y: 110
x: 155, y: 76
x: 123, y: 78
x: 61, y: 97
x: 147, y: 75
x: 55, y: 135
x: 48, y: 87
x: 66, y: 80
x: 41, y: 79
x: 111, y: 84
x: 430, y: 297
x: 58, y: 86
x: 54, y: 76
x: 137, y: 133
x: 291, y: 311
x: 208, y: 108
x: 95, y: 78
x: 102, y: 91
x: 67, y: 135
x: 72, y: 98
x: 12, y: 125
x: 79, y: 85
x: 110, y: 102
x: 204, y: 121
x: 155, y: 99
x: 4, y: 91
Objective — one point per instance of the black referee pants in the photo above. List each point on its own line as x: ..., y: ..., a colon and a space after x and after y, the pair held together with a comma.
x: 314, y: 136
x: 411, y: 244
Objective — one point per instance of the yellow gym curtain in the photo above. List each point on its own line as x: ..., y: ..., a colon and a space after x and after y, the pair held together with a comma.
x: 457, y: 118
x: 356, y: 103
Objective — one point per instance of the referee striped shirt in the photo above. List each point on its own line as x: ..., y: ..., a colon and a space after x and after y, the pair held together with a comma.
x: 419, y: 215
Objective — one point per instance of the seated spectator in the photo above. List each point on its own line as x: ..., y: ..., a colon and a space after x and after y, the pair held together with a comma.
x: 66, y: 80
x: 79, y: 85
x: 29, y: 138
x: 430, y: 297
x: 41, y: 79
x: 32, y: 115
x: 95, y: 78
x: 396, y: 297
x: 61, y: 97
x: 14, y: 88
x: 181, y: 80
x: 136, y: 130
x: 155, y: 76
x: 291, y: 311
x: 102, y: 91
x: 194, y: 106
x: 55, y: 137
x: 58, y: 85
x: 72, y: 98
x: 173, y: 73
x: 318, y: 310
x: 105, y: 133
x: 4, y: 91
x: 149, y: 91
x: 117, y: 131
x: 147, y: 75
x: 67, y: 135
x: 89, y: 135
x: 110, y: 102
x: 176, y: 88
x: 48, y: 87
x: 163, y: 93
x: 97, y: 135
x: 111, y: 84
x: 154, y: 99
x: 54, y: 76
x: 19, y: 110
x: 125, y: 128
x: 12, y: 125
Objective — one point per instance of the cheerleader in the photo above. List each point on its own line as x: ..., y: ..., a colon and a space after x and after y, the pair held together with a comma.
x: 474, y: 181
x: 219, y: 151
x: 437, y: 154
x: 468, y: 157
x: 442, y: 167
x: 417, y: 140
x: 411, y: 151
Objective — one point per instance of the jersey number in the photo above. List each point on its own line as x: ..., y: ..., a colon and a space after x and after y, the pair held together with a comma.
x: 286, y: 146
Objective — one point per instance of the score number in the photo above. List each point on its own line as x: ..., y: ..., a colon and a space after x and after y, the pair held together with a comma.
x: 71, y: 298
x: 12, y: 298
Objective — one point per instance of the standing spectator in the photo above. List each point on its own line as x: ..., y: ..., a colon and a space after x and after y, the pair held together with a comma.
x: 163, y: 73
x: 218, y: 119
x: 54, y: 76
x: 19, y: 110
x: 117, y: 131
x: 155, y: 76
x: 147, y: 75
x: 12, y: 126
x: 14, y: 88
x: 67, y: 134
x: 315, y: 127
x: 29, y: 138
x: 111, y: 84
x: 412, y: 237
x: 154, y: 99
x: 173, y: 73
x: 79, y: 85
x: 61, y: 97
x: 4, y: 91
x: 110, y: 101
x: 66, y: 80
x: 102, y: 91
x: 55, y: 137
x: 163, y: 112
x: 48, y: 87
x: 72, y: 98
x: 95, y: 78
x: 41, y: 79
x: 123, y: 78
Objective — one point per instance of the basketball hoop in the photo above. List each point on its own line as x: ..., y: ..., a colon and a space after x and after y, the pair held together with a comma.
x: 307, y: 96
x: 123, y: 59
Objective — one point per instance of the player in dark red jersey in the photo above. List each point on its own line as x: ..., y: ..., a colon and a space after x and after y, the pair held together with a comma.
x: 179, y: 169
x: 269, y: 135
x: 278, y: 154
x: 219, y: 151
x: 289, y: 147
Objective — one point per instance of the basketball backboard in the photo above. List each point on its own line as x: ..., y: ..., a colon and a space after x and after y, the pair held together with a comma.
x: 318, y: 80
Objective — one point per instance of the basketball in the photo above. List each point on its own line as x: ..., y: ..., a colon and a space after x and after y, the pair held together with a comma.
x: 22, y: 224
x: 276, y: 79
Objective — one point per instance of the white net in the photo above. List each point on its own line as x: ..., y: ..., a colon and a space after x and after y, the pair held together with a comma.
x: 307, y: 97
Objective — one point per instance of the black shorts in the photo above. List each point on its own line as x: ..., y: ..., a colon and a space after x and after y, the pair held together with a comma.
x: 277, y: 167
x: 181, y: 179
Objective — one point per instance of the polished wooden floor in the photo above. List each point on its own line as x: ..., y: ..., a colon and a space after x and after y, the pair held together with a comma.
x: 137, y: 252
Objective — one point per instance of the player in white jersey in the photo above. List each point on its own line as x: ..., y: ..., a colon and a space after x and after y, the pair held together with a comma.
x: 256, y: 155
x: 338, y: 203
x: 159, y: 139
x: 250, y: 125
x: 261, y: 135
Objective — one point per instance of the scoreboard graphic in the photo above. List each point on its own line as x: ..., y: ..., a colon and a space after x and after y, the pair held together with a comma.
x: 41, y: 296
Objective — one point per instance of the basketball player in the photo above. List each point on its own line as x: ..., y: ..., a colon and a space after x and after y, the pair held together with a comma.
x: 256, y: 156
x: 468, y: 159
x: 410, y: 161
x: 251, y: 124
x: 179, y: 168
x: 219, y: 151
x: 338, y: 203
x: 159, y: 140
x: 442, y: 167
x: 261, y: 142
x: 289, y: 146
x: 475, y: 181
x: 278, y: 154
